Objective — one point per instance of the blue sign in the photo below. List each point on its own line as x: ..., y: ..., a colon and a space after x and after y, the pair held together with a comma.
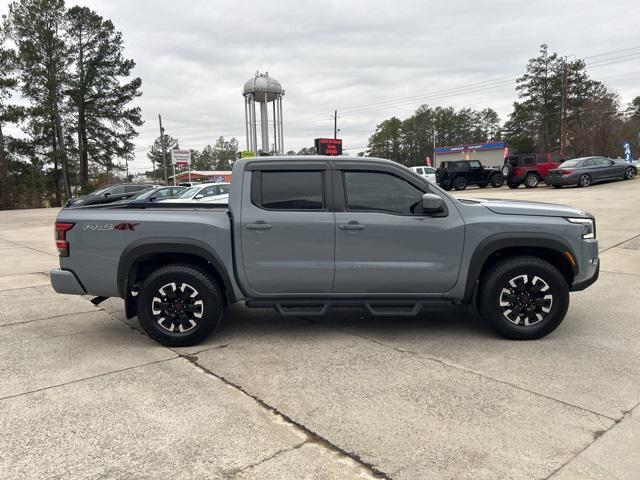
x: 627, y: 151
x: 472, y: 148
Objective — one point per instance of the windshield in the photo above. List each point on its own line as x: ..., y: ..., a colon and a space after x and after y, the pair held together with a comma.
x: 188, y: 193
x: 144, y: 194
x: 99, y: 192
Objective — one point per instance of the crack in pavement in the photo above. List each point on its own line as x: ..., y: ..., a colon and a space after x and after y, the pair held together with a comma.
x: 313, y: 436
x: 474, y: 372
x: 47, y: 318
x: 16, y: 244
x: 618, y: 244
x: 597, y: 435
x: 236, y: 471
x: 78, y: 380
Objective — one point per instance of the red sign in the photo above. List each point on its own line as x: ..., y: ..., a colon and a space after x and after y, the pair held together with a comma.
x: 329, y: 146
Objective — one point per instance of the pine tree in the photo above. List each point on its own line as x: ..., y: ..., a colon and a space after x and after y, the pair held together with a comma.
x: 43, y: 59
x: 161, y: 161
x: 104, y: 120
x: 8, y: 114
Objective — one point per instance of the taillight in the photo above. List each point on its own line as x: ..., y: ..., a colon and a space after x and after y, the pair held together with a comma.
x: 565, y: 172
x: 61, y: 238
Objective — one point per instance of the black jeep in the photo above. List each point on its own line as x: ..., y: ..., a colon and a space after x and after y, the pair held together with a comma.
x: 460, y: 173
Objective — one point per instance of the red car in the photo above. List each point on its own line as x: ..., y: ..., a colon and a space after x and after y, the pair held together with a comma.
x: 529, y: 168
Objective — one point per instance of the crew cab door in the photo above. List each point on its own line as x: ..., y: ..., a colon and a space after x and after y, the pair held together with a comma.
x: 287, y: 231
x: 384, y: 244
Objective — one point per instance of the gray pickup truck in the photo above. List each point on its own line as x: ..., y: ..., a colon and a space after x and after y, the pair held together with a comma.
x: 305, y: 235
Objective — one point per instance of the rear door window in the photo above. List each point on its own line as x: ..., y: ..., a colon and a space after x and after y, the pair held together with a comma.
x: 288, y: 190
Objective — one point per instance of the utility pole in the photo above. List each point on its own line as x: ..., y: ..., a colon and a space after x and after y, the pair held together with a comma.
x: 563, y: 119
x: 164, y: 149
x: 335, y: 124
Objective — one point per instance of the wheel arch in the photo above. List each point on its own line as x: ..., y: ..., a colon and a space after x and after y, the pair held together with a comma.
x: 141, y: 258
x: 500, y: 246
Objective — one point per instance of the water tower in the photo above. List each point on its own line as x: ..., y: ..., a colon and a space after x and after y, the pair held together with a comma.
x: 264, y: 90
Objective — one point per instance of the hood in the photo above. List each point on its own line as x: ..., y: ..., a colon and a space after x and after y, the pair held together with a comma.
x: 519, y: 207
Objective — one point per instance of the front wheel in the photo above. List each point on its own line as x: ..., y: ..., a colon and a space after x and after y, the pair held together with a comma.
x: 523, y: 297
x: 179, y: 305
x: 629, y: 173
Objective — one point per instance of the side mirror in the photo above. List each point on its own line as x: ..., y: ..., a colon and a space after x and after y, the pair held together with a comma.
x: 153, y: 199
x: 432, y: 203
x: 106, y: 194
x: 198, y: 197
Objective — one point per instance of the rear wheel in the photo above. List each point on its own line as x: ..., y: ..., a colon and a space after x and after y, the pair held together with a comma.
x: 629, y: 173
x: 460, y: 183
x: 584, y: 180
x: 531, y: 181
x: 523, y: 297
x: 513, y: 184
x: 179, y: 305
x: 497, y: 180
x: 446, y: 185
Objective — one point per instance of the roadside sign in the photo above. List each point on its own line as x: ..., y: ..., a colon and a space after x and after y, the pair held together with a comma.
x: 627, y: 151
x: 328, y: 146
x: 181, y: 157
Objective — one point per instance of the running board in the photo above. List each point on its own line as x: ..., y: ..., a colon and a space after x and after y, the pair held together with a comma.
x: 375, y: 307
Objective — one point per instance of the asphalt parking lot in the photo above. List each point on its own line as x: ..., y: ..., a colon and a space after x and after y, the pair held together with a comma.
x: 84, y: 394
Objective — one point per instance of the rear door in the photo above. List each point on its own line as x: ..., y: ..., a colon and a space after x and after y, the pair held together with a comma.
x: 476, y: 173
x: 288, y: 232
x: 384, y: 244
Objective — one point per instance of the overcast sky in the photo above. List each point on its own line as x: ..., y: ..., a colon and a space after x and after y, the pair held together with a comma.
x: 194, y: 57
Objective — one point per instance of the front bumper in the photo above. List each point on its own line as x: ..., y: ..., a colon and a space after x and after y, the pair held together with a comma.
x: 64, y: 281
x: 589, y: 266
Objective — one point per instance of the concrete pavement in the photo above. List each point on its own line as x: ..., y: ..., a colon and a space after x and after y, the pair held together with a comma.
x: 84, y: 394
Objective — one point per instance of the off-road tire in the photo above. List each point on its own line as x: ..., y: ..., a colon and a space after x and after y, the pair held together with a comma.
x: 532, y: 180
x: 497, y: 180
x: 197, y: 280
x: 460, y: 183
x: 492, y: 286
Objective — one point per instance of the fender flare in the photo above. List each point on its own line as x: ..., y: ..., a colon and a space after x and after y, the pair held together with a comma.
x: 139, y: 249
x: 500, y: 241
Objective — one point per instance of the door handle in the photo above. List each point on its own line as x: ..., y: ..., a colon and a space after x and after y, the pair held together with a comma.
x: 351, y: 226
x: 259, y: 225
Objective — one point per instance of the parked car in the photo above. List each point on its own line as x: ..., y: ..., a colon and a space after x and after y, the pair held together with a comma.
x: 529, y: 168
x: 427, y: 172
x: 200, y: 192
x: 189, y: 184
x: 113, y: 193
x: 458, y: 174
x: 307, y: 235
x: 155, y: 194
x: 587, y: 170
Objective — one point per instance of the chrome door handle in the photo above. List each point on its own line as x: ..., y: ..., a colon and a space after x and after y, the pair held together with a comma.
x: 351, y: 226
x: 258, y: 226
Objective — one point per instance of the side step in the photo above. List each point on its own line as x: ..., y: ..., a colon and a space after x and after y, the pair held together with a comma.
x: 375, y: 307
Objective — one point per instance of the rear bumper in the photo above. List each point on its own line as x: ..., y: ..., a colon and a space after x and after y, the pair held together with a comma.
x: 566, y: 180
x: 64, y: 281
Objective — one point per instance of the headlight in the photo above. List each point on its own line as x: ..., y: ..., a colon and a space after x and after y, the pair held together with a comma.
x: 588, y: 226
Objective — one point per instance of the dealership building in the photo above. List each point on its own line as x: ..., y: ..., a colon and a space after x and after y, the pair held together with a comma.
x: 491, y: 154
